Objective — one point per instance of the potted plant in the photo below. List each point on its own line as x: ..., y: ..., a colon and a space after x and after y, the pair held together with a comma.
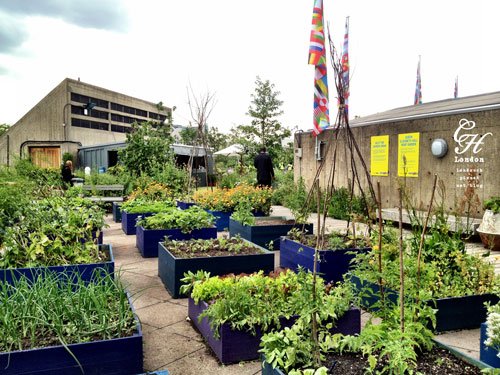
x: 59, y: 327
x: 218, y: 256
x: 175, y: 224
x: 335, y: 256
x: 489, y: 344
x: 232, y: 312
x: 263, y: 231
x: 131, y: 210
x: 489, y: 229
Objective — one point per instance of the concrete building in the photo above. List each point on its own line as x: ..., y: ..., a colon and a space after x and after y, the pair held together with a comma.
x: 72, y: 115
x: 457, y: 139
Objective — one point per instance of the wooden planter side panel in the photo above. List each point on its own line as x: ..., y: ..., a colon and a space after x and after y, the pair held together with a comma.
x: 86, y: 272
x: 184, y: 205
x: 221, y: 219
x: 129, y: 221
x: 263, y: 234
x: 117, y: 212
x: 171, y: 270
x: 147, y: 239
x: 236, y: 346
x: 486, y: 354
x: 332, y: 265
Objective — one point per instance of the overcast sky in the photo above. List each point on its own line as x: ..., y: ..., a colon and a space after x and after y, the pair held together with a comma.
x: 154, y: 49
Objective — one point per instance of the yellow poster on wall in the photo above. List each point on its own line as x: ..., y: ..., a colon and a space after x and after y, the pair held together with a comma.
x: 379, y: 156
x: 408, y: 154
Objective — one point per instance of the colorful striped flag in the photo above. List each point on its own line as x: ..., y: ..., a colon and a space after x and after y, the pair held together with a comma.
x: 345, y: 68
x: 418, y: 88
x: 317, y: 57
x: 455, y: 92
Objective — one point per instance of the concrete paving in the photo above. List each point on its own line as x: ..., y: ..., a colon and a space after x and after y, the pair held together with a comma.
x: 170, y: 341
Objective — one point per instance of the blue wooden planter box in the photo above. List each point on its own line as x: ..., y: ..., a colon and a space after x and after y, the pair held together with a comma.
x: 117, y: 212
x: 453, y: 313
x: 129, y: 221
x: 147, y: 239
x: 114, y: 357
x: 86, y: 272
x: 221, y: 219
x: 486, y: 354
x: 185, y: 205
x: 263, y: 234
x: 332, y: 265
x: 171, y: 269
x: 236, y: 346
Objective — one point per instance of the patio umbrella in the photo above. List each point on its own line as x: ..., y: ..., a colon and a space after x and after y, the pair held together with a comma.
x: 233, y: 150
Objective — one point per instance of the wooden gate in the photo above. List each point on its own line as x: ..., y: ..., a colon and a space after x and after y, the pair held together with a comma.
x: 46, y: 157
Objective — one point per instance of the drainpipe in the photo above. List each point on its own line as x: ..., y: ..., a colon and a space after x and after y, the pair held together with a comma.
x: 8, y: 150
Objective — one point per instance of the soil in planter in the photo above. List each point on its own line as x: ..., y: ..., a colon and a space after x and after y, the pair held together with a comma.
x: 273, y: 222
x: 436, y: 362
x: 211, y: 248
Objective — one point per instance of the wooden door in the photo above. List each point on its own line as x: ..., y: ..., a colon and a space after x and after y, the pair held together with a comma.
x: 46, y: 157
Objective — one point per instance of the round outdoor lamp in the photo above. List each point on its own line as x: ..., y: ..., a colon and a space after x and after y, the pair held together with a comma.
x: 439, y: 147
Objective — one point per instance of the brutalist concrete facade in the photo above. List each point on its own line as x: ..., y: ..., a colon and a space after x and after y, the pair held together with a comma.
x: 469, y: 126
x: 60, y: 121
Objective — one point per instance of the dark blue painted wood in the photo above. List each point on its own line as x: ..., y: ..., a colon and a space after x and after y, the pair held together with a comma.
x: 129, y: 221
x: 114, y: 357
x: 86, y: 272
x: 453, y: 313
x: 171, y: 269
x: 147, y: 239
x: 236, y: 346
x: 117, y: 212
x: 221, y: 219
x: 486, y: 354
x: 262, y: 235
x: 332, y: 265
x: 185, y: 205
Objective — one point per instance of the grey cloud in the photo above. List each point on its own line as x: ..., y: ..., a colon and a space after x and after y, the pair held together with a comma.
x: 98, y: 14
x: 3, y: 71
x: 12, y: 34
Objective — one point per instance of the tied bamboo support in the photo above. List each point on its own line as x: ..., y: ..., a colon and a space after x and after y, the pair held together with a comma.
x: 380, y: 232
x: 401, y: 265
x: 317, y: 358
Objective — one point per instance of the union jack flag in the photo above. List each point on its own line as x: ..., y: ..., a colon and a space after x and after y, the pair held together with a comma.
x: 317, y: 57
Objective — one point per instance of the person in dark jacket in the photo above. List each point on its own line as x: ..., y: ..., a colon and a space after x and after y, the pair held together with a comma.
x: 264, y: 166
x: 67, y: 172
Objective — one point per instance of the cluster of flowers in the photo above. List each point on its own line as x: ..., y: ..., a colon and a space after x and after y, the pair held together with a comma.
x: 153, y: 191
x: 258, y: 198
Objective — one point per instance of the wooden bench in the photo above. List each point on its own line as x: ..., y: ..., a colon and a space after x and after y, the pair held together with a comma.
x: 102, y: 188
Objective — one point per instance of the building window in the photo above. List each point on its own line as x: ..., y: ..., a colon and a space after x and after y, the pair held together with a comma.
x: 77, y: 110
x: 121, y: 129
x: 75, y: 97
x: 130, y: 110
x: 89, y: 124
x: 125, y: 119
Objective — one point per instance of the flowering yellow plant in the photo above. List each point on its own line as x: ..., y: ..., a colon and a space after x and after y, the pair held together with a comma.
x: 258, y: 198
x: 153, y: 191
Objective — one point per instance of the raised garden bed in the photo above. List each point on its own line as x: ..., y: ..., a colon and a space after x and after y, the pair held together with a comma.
x: 184, y: 205
x: 129, y: 221
x: 266, y: 230
x: 453, y: 313
x: 235, y: 345
x: 171, y: 269
x: 486, y: 354
x: 221, y: 219
x: 85, y: 271
x: 332, y: 265
x: 147, y: 239
x: 117, y: 212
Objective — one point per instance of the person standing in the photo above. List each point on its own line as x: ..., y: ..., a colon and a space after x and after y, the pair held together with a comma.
x: 67, y: 172
x: 264, y: 166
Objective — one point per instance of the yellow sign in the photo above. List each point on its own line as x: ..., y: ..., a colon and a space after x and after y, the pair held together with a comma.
x: 379, y: 156
x: 408, y: 154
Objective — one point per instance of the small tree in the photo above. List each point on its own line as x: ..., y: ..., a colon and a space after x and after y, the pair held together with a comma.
x: 148, y: 148
x: 4, y: 128
x: 264, y: 109
x: 189, y: 135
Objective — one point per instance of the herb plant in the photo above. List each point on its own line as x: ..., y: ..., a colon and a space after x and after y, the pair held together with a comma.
x: 140, y: 206
x: 173, y: 218
x: 493, y: 204
x: 214, y: 247
x: 493, y: 327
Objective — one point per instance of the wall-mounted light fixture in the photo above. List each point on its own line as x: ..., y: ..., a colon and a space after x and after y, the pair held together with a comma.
x: 439, y: 147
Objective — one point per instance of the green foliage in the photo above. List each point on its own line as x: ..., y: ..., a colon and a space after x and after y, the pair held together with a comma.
x: 284, y: 187
x: 173, y: 218
x: 141, y: 206
x: 243, y: 214
x: 189, y: 135
x: 342, y: 206
x: 492, y: 204
x: 4, y: 128
x: 493, y: 327
x: 44, y: 180
x: 148, y: 149
x: 296, y: 201
x: 248, y: 301
x: 49, y: 312
x: 229, y: 180
x: 53, y: 231
x: 67, y: 156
